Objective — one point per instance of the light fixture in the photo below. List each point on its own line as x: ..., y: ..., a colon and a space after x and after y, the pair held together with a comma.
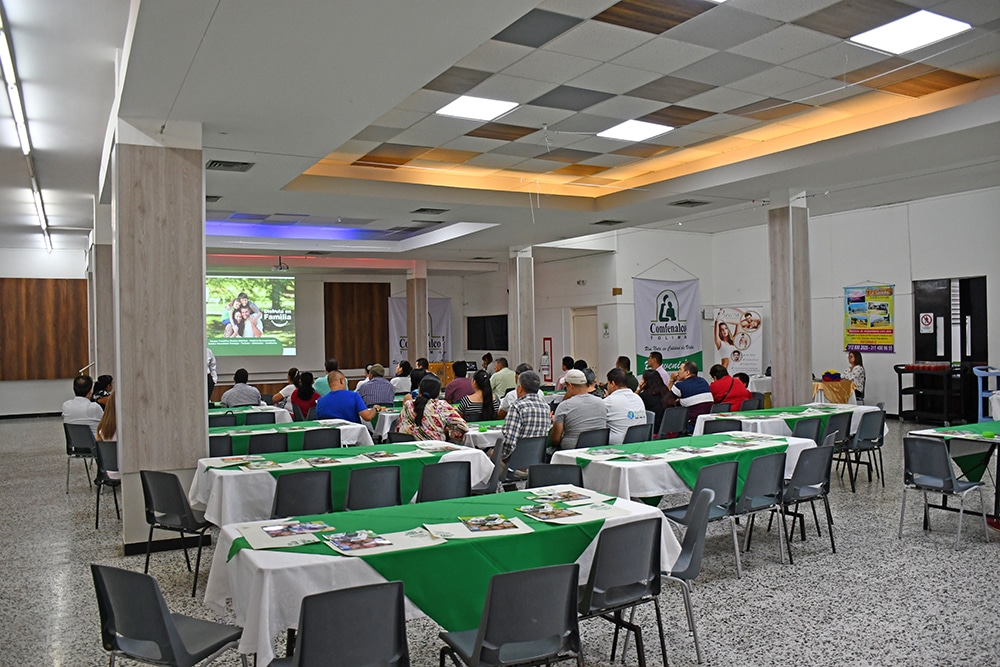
x: 634, y: 130
x: 476, y: 108
x: 911, y: 32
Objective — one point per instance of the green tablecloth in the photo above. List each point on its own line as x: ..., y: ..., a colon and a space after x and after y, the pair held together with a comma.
x: 241, y: 434
x: 791, y: 414
x: 973, y: 465
x: 409, y: 468
x: 449, y: 582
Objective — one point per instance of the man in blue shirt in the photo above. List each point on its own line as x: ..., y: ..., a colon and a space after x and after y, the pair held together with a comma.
x: 342, y: 403
x: 378, y: 390
x: 693, y: 391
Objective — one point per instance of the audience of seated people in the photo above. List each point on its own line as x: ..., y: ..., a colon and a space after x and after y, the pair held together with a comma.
x: 280, y: 399
x: 377, y: 390
x: 304, y: 396
x: 401, y: 380
x: 342, y: 403
x: 508, y: 399
x: 80, y: 409
x: 481, y: 404
x: 727, y: 388
x: 427, y: 417
x: 578, y: 411
x: 655, y: 396
x: 461, y: 386
x: 322, y: 384
x: 692, y: 390
x: 529, y: 415
x: 504, y: 379
x: 241, y: 393
x: 624, y: 407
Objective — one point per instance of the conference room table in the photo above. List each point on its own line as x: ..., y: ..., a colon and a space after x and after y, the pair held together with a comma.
x: 446, y: 573
x: 350, y: 433
x: 672, y: 465
x: 971, y: 450
x: 231, y: 492
x: 838, y: 391
x: 781, y: 421
x: 281, y: 416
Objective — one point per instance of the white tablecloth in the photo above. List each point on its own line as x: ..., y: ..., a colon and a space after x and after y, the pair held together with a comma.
x: 648, y: 479
x: 385, y: 422
x: 482, y: 440
x: 777, y: 425
x: 235, y: 495
x: 761, y: 383
x: 267, y: 587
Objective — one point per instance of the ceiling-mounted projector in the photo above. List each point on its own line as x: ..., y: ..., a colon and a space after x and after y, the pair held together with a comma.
x: 280, y: 266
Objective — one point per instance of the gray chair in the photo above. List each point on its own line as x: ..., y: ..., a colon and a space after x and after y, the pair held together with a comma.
x: 810, y: 482
x: 752, y: 404
x: 255, y: 418
x: 331, y: 631
x: 107, y: 462
x: 167, y: 508
x: 297, y: 413
x: 551, y: 474
x: 509, y: 635
x: 528, y: 452
x: 720, y: 407
x: 625, y: 574
x: 136, y: 623
x: 302, y: 493
x: 762, y: 491
x: 687, y: 567
x: 839, y: 423
x: 374, y: 486
x: 396, y: 437
x: 927, y: 468
x: 722, y: 425
x: 721, y: 479
x: 597, y: 437
x: 808, y: 428
x: 493, y: 484
x: 267, y: 443
x: 321, y: 438
x: 220, y: 445
x: 228, y: 420
x: 80, y: 444
x: 446, y: 480
x: 759, y: 395
x: 639, y: 433
x: 674, y: 422
x: 311, y: 415
x: 867, y: 439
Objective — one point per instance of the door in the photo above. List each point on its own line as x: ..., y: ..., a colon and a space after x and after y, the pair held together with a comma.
x: 585, y: 335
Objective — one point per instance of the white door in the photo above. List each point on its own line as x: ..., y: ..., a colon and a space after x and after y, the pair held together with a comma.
x: 585, y: 335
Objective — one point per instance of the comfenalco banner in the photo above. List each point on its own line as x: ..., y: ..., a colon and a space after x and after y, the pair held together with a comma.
x: 438, y: 330
x: 667, y: 320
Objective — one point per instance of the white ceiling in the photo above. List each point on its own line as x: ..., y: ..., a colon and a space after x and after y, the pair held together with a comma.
x: 285, y: 84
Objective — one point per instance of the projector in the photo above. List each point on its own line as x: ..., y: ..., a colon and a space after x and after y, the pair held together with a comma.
x: 280, y: 266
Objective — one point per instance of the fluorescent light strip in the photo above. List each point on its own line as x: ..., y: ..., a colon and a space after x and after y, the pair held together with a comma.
x: 911, y: 32
x: 476, y: 108
x: 634, y: 130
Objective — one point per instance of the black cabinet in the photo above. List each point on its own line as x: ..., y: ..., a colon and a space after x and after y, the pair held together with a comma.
x: 937, y: 392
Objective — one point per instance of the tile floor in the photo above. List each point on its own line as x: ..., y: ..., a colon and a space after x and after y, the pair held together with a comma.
x: 877, y: 601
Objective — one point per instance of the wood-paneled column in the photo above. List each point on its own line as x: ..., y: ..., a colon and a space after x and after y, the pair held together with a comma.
x: 521, y: 306
x: 416, y: 313
x: 100, y: 276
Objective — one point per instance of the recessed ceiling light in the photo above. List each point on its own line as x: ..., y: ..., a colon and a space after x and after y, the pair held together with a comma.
x: 634, y: 130
x: 911, y: 32
x: 476, y: 108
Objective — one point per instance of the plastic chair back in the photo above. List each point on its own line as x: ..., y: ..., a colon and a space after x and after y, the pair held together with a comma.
x: 720, y: 407
x: 721, y: 479
x: 254, y: 418
x: 811, y: 477
x: 107, y: 459
x: 332, y: 631
x: 166, y: 502
x: 395, y: 436
x: 441, y: 481
x: 639, y: 433
x: 722, y: 425
x: 528, y: 452
x: 626, y: 566
x: 752, y: 404
x: 759, y: 395
x: 597, y: 437
x: 268, y: 443
x: 220, y: 445
x: 297, y: 413
x: 808, y: 428
x: 311, y: 415
x: 839, y: 423
x: 675, y: 420
x: 321, y: 438
x: 215, y: 421
x: 79, y: 440
x: 374, y: 486
x: 688, y: 563
x: 926, y: 464
x: 869, y: 433
x: 764, y: 485
x: 494, y: 482
x: 302, y: 493
x: 550, y: 474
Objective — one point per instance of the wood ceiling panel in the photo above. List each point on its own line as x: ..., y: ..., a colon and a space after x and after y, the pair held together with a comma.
x: 654, y: 16
x: 931, y: 82
x: 501, y: 131
x: 853, y: 17
x: 676, y: 116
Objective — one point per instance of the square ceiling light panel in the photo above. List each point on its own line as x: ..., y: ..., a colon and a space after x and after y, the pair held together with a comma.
x: 634, y: 130
x: 476, y: 108
x: 911, y: 32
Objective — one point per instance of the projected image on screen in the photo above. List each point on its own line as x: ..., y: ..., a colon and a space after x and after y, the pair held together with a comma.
x: 250, y: 316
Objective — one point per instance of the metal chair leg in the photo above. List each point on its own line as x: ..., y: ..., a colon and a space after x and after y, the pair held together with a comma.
x: 902, y: 512
x: 736, y: 549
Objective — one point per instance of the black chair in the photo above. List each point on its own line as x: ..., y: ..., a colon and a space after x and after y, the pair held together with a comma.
x: 397, y: 437
x: 839, y: 423
x: 167, y: 508
x: 674, y: 422
x: 927, y: 468
x: 639, y: 433
x: 80, y: 444
x: 720, y: 407
x: 267, y: 443
x: 687, y: 567
x: 810, y: 482
x: 331, y: 631
x: 107, y: 476
x: 321, y: 438
x: 528, y: 452
x: 374, y: 486
x: 763, y: 490
x: 311, y: 415
x: 255, y: 418
x: 759, y: 395
x: 228, y: 420
x: 752, y: 404
x: 220, y: 445
x: 598, y: 437
x: 868, y: 438
x: 551, y: 474
x: 442, y: 481
x: 136, y: 623
x: 303, y: 493
x: 492, y: 485
x: 530, y: 618
x: 721, y: 479
x: 625, y: 574
x: 297, y: 413
x: 722, y: 425
x: 808, y: 428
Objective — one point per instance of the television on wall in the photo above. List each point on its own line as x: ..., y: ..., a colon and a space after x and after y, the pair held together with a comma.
x: 486, y: 333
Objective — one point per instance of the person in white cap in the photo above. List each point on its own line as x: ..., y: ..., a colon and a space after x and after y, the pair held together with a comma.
x: 579, y: 411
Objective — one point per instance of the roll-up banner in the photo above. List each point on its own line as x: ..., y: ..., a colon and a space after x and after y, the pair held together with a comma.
x: 667, y: 320
x: 438, y: 330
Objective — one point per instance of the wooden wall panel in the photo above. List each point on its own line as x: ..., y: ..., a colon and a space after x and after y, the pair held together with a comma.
x: 357, y: 323
x: 44, y: 328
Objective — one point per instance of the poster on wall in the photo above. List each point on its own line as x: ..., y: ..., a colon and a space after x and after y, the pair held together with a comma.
x: 738, y: 334
x: 868, y: 318
x: 667, y: 320
x: 250, y: 316
x: 438, y: 330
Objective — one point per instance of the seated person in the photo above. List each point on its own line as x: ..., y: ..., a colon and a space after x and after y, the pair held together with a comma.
x: 631, y: 380
x: 529, y: 416
x: 579, y: 411
x: 280, y: 399
x: 342, y: 403
x: 481, y: 404
x: 401, y: 380
x: 461, y: 386
x: 378, y: 390
x: 567, y: 366
x: 693, y: 391
x: 80, y: 409
x: 103, y: 386
x: 304, y: 397
x: 727, y: 389
x: 745, y: 379
x: 508, y: 399
x: 429, y: 418
x: 624, y: 407
x: 322, y: 383
x: 108, y: 427
x: 503, y: 380
x: 241, y: 393
x: 655, y: 396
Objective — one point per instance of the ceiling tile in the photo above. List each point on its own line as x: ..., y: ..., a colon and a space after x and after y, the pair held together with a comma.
x: 625, y: 107
x: 502, y: 131
x: 358, y: 148
x: 833, y: 61
x: 975, y: 12
x: 769, y: 109
x: 531, y: 116
x: 598, y: 145
x: 676, y: 116
x: 400, y: 118
x: 598, y: 41
x: 664, y: 55
x: 653, y: 16
x: 775, y: 82
x: 781, y: 10
x: 581, y: 8
x: 721, y: 124
x: 391, y: 156
x: 580, y: 169
x: 511, y: 88
x: 721, y: 99
x: 549, y: 139
x: 427, y: 101
x: 458, y: 80
x: 852, y: 17
x: 497, y: 160
x: 825, y: 92
x: 610, y: 160
x: 926, y: 84
x: 723, y: 28
x: 566, y: 155
x: 550, y: 66
x: 887, y: 72
x: 448, y: 155
x: 982, y: 67
x: 642, y: 150
x: 680, y: 137
x: 435, y: 130
x: 568, y: 97
x: 786, y: 43
x: 537, y: 166
x: 722, y: 68
x: 375, y: 133
x: 493, y: 56
x: 519, y: 149
x: 474, y: 144
x: 536, y: 28
x: 968, y: 45
x: 583, y: 122
x: 616, y: 79
x: 670, y: 89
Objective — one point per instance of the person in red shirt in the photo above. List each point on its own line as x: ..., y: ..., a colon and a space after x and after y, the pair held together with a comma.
x: 304, y: 396
x: 727, y: 389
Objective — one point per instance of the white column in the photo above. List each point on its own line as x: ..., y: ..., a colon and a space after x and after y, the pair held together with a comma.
x: 521, y: 307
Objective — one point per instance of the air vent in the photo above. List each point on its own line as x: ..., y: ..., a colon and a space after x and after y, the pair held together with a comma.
x: 403, y: 228
x: 609, y: 223
x: 481, y: 258
x: 428, y: 222
x: 228, y: 165
x: 430, y: 211
x: 211, y: 199
x: 689, y: 203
